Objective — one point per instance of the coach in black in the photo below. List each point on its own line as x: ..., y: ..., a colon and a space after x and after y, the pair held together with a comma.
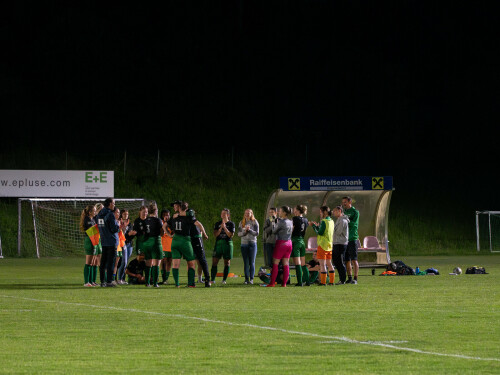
x: 108, y: 231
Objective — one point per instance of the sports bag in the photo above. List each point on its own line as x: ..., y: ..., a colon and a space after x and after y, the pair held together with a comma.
x: 400, y: 268
x: 475, y: 270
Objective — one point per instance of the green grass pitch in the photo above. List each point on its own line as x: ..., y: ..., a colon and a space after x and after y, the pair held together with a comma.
x: 440, y: 324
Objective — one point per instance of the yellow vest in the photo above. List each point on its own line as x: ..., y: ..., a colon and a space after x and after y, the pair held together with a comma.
x: 325, y: 240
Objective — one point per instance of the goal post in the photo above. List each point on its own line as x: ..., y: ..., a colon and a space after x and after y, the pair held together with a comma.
x: 488, y: 230
x: 51, y: 227
x: 1, y: 252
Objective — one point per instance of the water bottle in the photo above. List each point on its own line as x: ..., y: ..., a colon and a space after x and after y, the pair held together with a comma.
x: 417, y: 270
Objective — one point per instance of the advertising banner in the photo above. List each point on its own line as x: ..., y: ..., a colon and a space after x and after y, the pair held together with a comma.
x: 56, y: 184
x: 336, y: 183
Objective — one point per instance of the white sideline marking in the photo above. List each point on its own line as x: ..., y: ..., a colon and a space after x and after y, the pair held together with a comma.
x: 335, y: 338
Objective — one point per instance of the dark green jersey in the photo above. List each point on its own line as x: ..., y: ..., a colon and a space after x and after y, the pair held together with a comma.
x: 353, y: 216
x: 136, y: 267
x: 152, y: 227
x: 223, y: 235
x: 195, y: 231
x: 88, y: 222
x: 299, y: 226
x: 182, y: 225
x: 139, y: 226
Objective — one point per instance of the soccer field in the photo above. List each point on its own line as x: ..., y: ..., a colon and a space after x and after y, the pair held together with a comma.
x: 440, y: 324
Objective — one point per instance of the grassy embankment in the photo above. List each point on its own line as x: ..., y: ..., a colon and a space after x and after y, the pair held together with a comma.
x: 418, y: 223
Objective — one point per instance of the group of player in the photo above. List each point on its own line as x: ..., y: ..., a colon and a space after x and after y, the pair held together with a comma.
x: 336, y: 239
x: 162, y: 240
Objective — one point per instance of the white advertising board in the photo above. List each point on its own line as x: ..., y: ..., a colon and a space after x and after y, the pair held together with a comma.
x: 56, y: 184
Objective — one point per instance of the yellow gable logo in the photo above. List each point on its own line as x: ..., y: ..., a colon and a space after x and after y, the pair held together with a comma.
x: 377, y: 183
x: 294, y: 183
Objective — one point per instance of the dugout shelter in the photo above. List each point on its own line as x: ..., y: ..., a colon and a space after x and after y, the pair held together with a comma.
x: 371, y: 197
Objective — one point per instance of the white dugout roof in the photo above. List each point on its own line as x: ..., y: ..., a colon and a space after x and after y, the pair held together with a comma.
x: 372, y: 203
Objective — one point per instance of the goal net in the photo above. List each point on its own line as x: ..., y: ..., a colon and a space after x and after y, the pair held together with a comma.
x: 488, y: 230
x: 51, y: 227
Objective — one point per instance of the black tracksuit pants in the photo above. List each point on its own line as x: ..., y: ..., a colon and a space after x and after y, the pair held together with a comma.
x: 338, y: 254
x: 199, y: 252
x: 108, y: 259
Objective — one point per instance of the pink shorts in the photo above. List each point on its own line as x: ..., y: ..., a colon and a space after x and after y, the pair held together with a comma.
x: 282, y: 249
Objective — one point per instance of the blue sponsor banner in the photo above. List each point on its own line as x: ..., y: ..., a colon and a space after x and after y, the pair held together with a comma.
x: 336, y: 183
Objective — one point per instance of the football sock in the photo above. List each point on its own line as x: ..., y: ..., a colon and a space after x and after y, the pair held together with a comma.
x: 286, y: 275
x: 322, y: 277
x: 156, y: 274
x: 356, y: 278
x: 191, y: 274
x: 147, y: 277
x: 305, y: 274
x: 175, y: 274
x: 298, y: 270
x: 274, y: 274
x: 167, y: 274
x: 349, y: 278
x: 86, y: 273
x: 313, y: 276
x: 213, y: 273
x: 94, y: 274
x: 226, y: 272
x: 163, y: 275
x: 332, y: 277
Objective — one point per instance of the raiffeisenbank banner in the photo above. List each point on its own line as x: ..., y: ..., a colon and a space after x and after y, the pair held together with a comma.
x: 56, y: 184
x: 339, y: 183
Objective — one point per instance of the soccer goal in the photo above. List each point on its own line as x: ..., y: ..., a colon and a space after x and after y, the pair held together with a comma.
x: 488, y: 230
x: 51, y: 227
x: 1, y: 253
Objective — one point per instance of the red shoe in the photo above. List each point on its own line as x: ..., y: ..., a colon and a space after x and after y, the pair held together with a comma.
x: 270, y: 285
x: 191, y: 286
x: 283, y: 286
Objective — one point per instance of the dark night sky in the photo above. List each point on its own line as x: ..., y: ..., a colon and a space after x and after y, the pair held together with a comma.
x: 412, y: 84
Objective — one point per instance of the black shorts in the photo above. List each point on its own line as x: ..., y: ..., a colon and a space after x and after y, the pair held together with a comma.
x: 351, y: 252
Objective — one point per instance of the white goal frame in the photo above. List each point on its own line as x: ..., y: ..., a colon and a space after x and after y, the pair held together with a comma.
x: 489, y: 213
x: 35, y: 201
x: 1, y: 253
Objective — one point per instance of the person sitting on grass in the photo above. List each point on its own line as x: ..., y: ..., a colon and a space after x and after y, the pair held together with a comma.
x: 314, y: 268
x: 135, y: 270
x: 266, y: 277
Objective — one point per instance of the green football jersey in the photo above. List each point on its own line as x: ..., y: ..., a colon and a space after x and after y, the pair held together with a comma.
x: 353, y: 216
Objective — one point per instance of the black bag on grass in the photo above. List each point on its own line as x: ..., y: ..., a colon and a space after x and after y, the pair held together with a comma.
x: 400, y: 268
x: 475, y: 270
